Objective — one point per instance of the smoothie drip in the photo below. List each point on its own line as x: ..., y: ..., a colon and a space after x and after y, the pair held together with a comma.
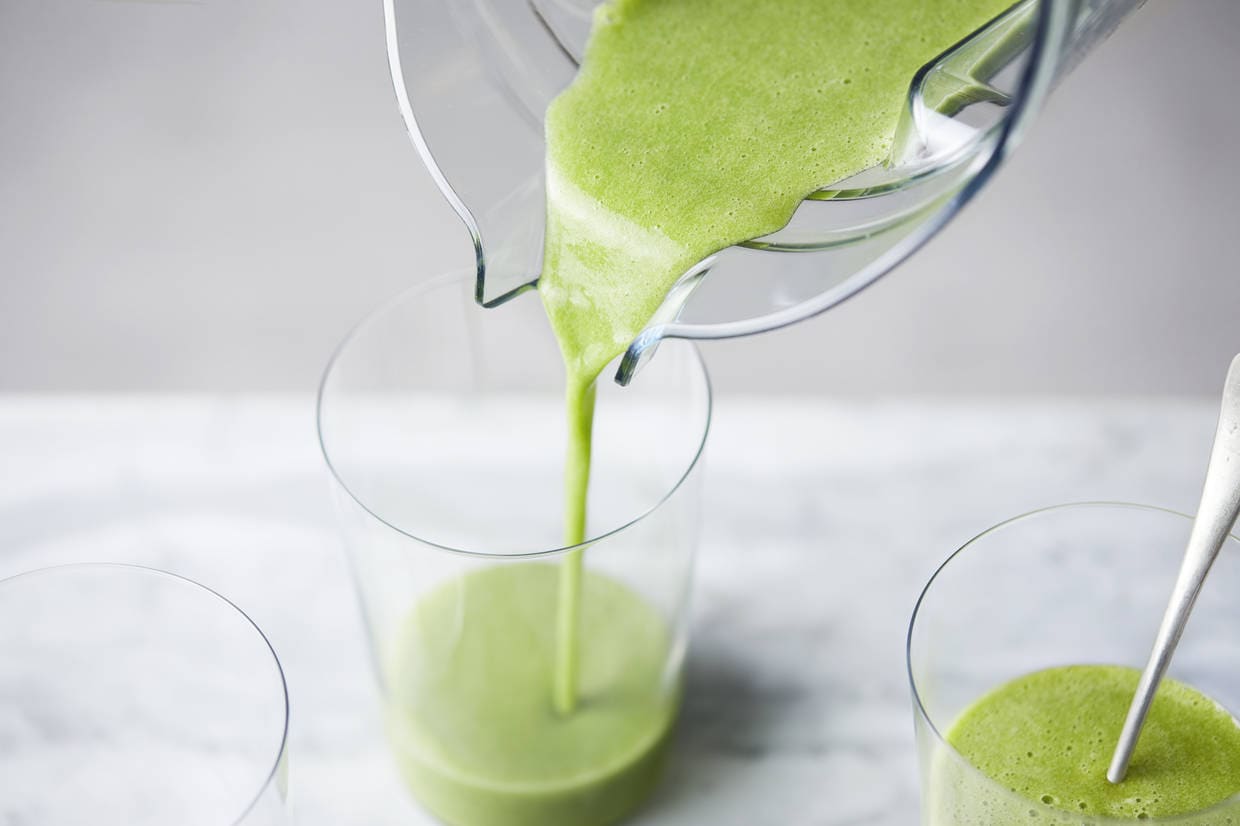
x: 694, y: 125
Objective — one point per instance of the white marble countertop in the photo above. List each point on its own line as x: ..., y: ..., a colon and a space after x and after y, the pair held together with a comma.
x: 822, y: 521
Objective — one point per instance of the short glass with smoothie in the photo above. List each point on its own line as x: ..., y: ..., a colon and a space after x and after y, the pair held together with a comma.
x: 1024, y: 655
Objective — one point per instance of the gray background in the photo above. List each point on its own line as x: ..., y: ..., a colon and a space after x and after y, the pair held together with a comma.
x: 206, y: 195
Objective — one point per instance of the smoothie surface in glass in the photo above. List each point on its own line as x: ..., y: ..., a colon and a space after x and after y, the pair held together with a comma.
x: 476, y: 733
x: 1049, y: 736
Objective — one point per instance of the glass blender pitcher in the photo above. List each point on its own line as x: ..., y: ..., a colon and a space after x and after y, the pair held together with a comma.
x: 473, y: 79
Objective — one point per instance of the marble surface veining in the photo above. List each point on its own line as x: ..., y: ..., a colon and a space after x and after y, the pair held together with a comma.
x: 822, y: 521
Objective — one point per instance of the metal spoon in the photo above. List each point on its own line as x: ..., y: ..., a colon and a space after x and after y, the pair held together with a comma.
x: 1216, y: 515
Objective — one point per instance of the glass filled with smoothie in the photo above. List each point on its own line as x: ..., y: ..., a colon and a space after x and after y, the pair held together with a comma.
x: 1024, y: 652
x: 528, y: 639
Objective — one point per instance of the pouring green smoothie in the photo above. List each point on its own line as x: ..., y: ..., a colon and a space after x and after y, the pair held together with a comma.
x: 691, y: 126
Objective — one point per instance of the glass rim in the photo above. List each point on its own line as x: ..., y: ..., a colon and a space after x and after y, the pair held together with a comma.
x: 466, y: 277
x: 270, y: 777
x: 919, y: 707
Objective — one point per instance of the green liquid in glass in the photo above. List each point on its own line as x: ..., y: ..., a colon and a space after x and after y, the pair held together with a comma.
x: 478, y: 737
x: 1049, y: 737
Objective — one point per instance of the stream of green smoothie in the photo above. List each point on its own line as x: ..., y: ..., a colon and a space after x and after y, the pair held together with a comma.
x: 1049, y: 737
x: 694, y: 125
x: 537, y: 695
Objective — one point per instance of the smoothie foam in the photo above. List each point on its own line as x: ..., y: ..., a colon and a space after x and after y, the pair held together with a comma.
x: 1049, y: 736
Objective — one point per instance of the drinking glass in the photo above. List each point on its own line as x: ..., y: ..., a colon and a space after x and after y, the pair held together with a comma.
x: 1074, y: 584
x: 133, y: 696
x: 446, y: 447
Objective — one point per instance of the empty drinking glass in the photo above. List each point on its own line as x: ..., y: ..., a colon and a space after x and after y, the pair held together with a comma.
x: 135, y: 697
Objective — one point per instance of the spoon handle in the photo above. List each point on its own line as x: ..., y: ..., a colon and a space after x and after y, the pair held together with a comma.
x: 1220, y: 504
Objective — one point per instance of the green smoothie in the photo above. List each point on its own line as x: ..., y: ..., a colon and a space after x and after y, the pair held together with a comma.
x: 472, y: 720
x: 542, y: 696
x: 691, y: 126
x: 1049, y: 736
x: 694, y: 125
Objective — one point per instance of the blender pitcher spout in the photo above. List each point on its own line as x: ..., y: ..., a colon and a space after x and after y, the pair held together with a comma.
x: 473, y: 79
